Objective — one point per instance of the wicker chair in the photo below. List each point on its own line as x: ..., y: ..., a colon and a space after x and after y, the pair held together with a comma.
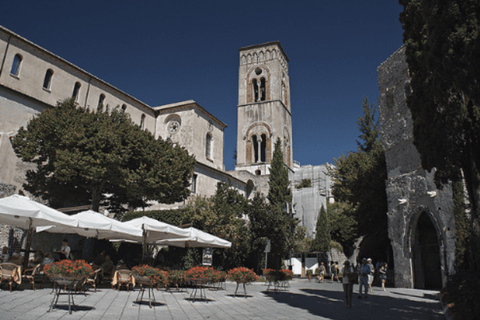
x: 92, y: 281
x: 29, y: 274
x: 10, y: 273
x: 123, y: 277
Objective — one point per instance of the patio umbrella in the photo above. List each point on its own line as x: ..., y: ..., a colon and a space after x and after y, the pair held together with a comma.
x: 154, y: 231
x: 92, y: 224
x: 197, y: 238
x: 25, y: 213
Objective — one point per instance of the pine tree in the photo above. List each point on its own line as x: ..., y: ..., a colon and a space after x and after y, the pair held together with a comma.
x: 322, y: 233
x: 279, y: 193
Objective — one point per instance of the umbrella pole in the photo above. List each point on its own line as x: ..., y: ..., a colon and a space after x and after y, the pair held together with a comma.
x: 144, y: 247
x: 26, y: 256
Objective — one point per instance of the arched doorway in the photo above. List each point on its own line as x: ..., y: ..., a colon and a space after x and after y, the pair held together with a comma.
x: 426, y: 255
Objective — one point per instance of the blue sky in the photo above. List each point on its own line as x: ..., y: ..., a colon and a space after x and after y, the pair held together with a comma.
x: 163, y: 52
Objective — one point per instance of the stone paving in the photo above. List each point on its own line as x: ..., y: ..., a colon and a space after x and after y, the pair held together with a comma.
x: 303, y: 300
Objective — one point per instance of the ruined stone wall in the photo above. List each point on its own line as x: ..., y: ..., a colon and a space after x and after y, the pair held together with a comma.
x: 411, y: 190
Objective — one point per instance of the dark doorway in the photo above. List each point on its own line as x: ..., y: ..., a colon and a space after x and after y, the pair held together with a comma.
x: 426, y: 255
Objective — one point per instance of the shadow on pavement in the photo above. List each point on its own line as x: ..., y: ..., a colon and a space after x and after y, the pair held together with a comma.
x: 331, y: 305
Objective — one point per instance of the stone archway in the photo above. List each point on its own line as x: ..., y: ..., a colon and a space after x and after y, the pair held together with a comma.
x: 426, y: 254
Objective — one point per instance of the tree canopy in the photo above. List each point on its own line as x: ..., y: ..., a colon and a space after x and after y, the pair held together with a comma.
x: 100, y: 157
x: 359, y: 178
x: 322, y: 233
x: 442, y: 48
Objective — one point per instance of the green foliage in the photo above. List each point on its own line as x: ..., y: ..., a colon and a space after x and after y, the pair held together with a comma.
x: 302, y: 243
x: 359, y: 178
x: 279, y: 192
x: 368, y: 126
x: 269, y: 222
x: 81, y: 156
x: 322, y: 234
x: 306, y: 183
x: 343, y: 225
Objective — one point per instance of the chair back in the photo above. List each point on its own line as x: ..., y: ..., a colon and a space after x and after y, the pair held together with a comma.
x: 9, y: 270
x: 124, y: 275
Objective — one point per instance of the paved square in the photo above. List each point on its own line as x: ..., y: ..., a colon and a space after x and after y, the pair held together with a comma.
x: 303, y: 300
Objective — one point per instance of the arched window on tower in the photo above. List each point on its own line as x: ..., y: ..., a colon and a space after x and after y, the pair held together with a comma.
x: 47, y: 81
x: 263, y: 94
x: 209, y: 146
x: 17, y: 60
x: 255, y: 90
x: 76, y: 91
x: 259, y: 148
x: 263, y: 148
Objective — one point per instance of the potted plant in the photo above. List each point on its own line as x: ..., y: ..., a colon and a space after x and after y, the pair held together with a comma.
x: 309, y: 274
x: 199, y: 275
x: 273, y: 275
x: 242, y: 275
x: 176, y: 277
x: 146, y: 275
x: 68, y: 270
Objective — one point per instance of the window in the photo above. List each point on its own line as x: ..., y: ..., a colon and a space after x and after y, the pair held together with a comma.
x: 124, y: 107
x: 194, y: 183
x: 76, y: 91
x: 47, y: 81
x: 142, y: 122
x: 255, y: 90
x: 209, y: 146
x: 262, y: 89
x: 260, y: 148
x: 101, y: 100
x: 17, y: 61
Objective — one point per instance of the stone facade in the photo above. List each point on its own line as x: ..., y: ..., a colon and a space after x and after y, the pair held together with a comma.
x: 264, y: 112
x: 420, y: 217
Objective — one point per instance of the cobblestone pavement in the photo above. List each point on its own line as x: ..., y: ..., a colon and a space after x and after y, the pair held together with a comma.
x: 303, y: 300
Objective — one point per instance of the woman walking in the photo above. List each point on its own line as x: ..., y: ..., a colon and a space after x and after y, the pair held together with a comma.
x: 348, y: 283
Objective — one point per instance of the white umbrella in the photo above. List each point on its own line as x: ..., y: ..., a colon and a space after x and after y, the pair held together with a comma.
x: 154, y: 231
x: 92, y: 224
x: 25, y: 213
x: 197, y: 238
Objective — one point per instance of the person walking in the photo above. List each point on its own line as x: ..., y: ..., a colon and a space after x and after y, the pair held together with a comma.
x: 321, y: 276
x: 364, y: 272
x: 370, y: 275
x: 347, y: 272
x: 383, y: 274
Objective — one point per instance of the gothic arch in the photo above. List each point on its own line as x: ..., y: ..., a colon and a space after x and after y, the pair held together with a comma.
x: 425, y: 247
x: 287, y: 147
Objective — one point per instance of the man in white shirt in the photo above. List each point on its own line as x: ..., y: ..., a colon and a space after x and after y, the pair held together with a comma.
x: 64, y: 251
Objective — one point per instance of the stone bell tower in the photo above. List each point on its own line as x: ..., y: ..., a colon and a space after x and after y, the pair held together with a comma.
x: 264, y: 113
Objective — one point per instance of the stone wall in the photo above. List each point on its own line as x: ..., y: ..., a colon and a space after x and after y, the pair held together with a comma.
x: 411, y: 190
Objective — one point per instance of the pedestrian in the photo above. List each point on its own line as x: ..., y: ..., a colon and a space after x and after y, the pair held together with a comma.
x: 383, y: 275
x: 364, y: 272
x: 348, y: 283
x: 335, y: 271
x: 4, y: 256
x: 370, y: 275
x: 321, y: 276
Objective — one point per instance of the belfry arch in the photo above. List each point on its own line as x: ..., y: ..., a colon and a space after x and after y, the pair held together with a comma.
x: 426, y: 247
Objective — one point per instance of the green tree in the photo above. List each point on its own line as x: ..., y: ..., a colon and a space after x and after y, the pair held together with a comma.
x: 343, y: 225
x: 322, y: 232
x: 281, y: 223
x: 359, y: 178
x: 81, y: 156
x: 279, y: 193
x: 442, y: 48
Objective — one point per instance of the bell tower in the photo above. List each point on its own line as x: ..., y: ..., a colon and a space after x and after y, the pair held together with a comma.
x: 263, y: 112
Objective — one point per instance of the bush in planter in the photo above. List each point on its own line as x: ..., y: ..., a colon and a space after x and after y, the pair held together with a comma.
x: 199, y: 274
x: 242, y: 275
x: 218, y: 276
x: 157, y: 276
x: 176, y: 277
x: 68, y: 268
x: 278, y: 275
x: 309, y: 273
